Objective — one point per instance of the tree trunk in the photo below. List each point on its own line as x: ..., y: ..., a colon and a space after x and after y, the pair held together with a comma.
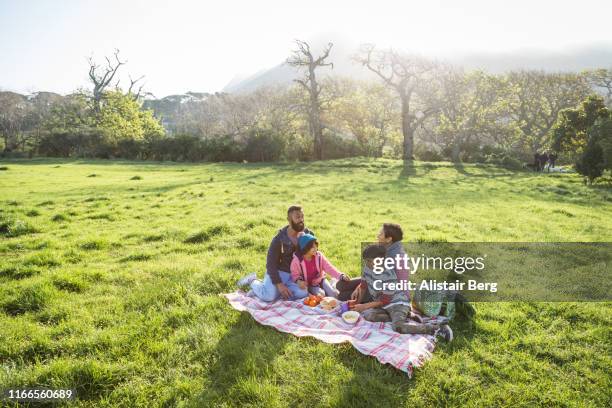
x: 10, y: 143
x: 5, y: 137
x: 456, y: 149
x: 317, y: 132
x: 315, y: 117
x: 407, y: 131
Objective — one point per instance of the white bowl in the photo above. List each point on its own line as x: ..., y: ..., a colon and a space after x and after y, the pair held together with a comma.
x: 350, y: 317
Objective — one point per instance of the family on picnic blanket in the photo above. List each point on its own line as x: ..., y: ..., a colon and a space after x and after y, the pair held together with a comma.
x: 296, y: 268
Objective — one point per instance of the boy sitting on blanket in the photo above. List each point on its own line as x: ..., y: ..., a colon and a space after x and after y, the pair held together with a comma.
x: 390, y: 305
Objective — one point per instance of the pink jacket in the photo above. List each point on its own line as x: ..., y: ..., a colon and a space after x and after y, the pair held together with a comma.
x: 298, y: 268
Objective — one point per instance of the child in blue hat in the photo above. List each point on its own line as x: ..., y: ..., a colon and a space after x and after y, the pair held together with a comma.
x: 309, y: 266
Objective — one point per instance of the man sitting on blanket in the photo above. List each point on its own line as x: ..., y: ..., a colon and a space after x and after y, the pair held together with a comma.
x: 277, y: 279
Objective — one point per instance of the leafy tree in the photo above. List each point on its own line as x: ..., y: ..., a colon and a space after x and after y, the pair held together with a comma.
x: 571, y: 132
x: 413, y: 80
x: 586, y: 132
x: 120, y: 118
x: 591, y: 162
x: 368, y: 111
x: 534, y: 100
x: 14, y: 112
x: 469, y: 111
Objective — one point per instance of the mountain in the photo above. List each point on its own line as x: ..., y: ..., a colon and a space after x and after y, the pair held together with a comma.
x: 571, y: 60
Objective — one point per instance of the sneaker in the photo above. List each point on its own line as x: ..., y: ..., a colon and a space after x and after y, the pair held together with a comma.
x: 246, y: 280
x: 445, y: 332
x: 250, y: 293
x: 442, y: 320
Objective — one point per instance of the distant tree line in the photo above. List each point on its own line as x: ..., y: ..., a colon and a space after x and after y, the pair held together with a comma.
x: 411, y: 108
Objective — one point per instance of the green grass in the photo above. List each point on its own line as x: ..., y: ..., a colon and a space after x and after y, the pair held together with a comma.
x: 110, y: 284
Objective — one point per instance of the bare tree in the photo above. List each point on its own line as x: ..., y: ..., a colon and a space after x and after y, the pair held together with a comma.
x: 302, y: 57
x: 101, y: 77
x: 136, y: 92
x: 410, y: 77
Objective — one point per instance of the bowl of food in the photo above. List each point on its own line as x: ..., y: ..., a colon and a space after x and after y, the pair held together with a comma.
x: 350, y: 317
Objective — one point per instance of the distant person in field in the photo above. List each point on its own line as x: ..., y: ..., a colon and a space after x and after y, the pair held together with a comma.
x: 277, y: 281
x: 540, y: 161
x: 309, y: 267
x: 552, y: 158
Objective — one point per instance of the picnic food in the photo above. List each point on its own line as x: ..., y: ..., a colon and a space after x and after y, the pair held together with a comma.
x: 329, y: 303
x: 350, y: 317
x: 312, y: 300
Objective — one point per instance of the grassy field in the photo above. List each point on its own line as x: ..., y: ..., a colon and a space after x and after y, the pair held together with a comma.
x: 110, y: 275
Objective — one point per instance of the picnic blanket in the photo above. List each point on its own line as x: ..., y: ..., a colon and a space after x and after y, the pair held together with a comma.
x: 403, y: 351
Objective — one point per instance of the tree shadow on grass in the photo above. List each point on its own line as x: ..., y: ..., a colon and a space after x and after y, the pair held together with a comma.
x: 408, y: 170
x: 491, y: 172
x: 458, y: 166
x: 245, y: 352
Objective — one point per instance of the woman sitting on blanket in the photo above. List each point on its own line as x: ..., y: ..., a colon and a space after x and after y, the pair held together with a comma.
x: 309, y: 266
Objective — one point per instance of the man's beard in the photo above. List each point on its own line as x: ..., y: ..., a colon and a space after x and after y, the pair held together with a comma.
x: 297, y: 227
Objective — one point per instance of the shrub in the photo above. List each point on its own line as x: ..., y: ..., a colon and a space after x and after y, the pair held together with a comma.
x: 597, y: 155
x: 264, y: 145
x: 511, y: 163
x: 504, y: 160
x: 223, y: 148
x: 426, y: 154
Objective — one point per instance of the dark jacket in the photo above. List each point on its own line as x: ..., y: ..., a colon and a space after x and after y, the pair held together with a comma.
x: 280, y: 254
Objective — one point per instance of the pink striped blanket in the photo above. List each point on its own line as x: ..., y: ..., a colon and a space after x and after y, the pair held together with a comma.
x: 403, y: 351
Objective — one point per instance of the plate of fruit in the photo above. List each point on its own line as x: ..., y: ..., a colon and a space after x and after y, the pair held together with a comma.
x: 313, y: 300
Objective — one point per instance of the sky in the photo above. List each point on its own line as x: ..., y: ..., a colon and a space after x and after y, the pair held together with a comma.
x: 199, y: 45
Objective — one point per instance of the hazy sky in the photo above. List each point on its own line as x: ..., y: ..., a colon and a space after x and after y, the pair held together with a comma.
x: 201, y: 45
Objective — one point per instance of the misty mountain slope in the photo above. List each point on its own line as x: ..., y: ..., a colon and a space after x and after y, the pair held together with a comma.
x: 344, y: 65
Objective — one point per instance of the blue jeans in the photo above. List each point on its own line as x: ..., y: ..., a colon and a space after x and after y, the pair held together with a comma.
x: 327, y: 289
x: 267, y: 291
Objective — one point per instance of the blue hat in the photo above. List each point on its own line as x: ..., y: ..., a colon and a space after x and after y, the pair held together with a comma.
x: 303, y: 240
